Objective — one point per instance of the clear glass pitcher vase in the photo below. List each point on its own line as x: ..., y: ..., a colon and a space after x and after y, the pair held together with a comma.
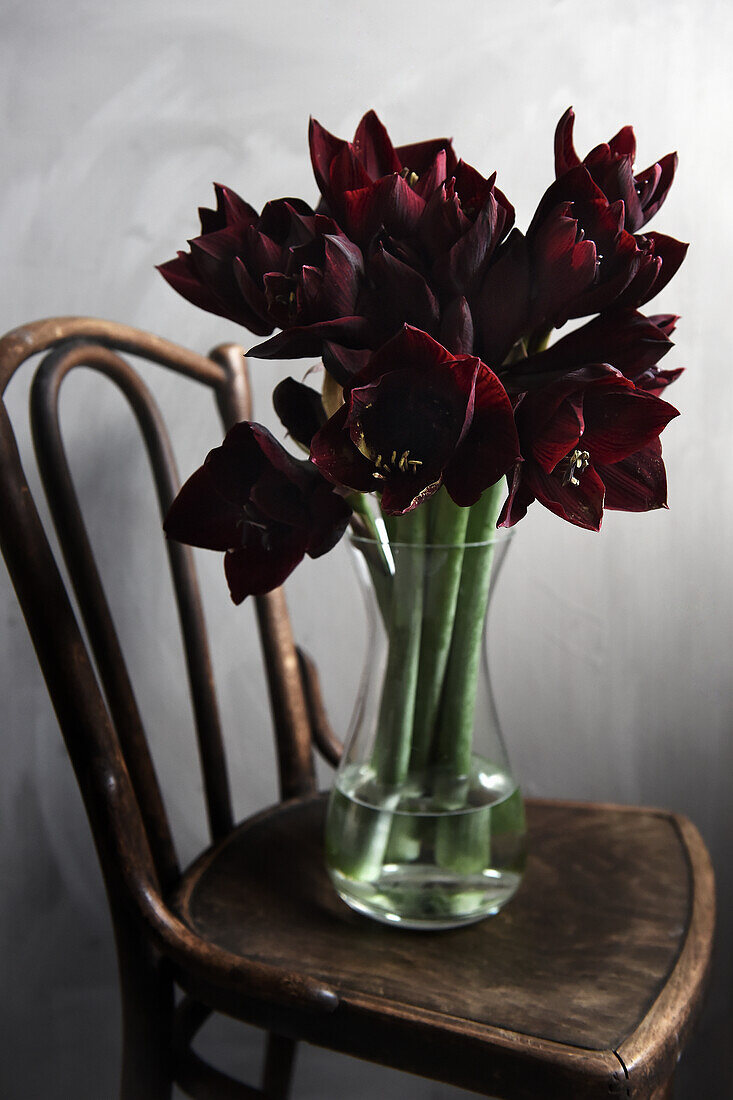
x: 426, y: 823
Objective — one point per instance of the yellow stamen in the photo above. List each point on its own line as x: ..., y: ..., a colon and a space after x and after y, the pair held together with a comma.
x: 578, y: 461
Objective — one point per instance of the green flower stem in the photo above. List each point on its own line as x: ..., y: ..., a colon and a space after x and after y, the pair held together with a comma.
x: 448, y: 524
x: 538, y: 341
x: 456, y: 717
x: 364, y: 845
x: 394, y: 730
x: 463, y: 843
x: 377, y: 557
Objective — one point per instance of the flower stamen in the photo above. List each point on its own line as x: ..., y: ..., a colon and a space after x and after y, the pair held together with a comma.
x: 578, y: 461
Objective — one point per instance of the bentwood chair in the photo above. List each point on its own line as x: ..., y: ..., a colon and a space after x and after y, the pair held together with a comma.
x: 586, y: 985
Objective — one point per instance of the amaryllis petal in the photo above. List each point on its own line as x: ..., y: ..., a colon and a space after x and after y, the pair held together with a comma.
x: 562, y: 266
x: 431, y: 178
x: 618, y: 423
x: 472, y: 188
x: 518, y: 501
x: 264, y: 561
x: 212, y: 258
x: 390, y: 203
x: 181, y: 274
x: 489, y: 446
x: 239, y: 462
x: 619, y: 183
x: 560, y: 435
x: 612, y: 278
x: 275, y: 499
x: 443, y: 221
x: 201, y: 516
x: 667, y: 322
x: 456, y: 328
x: 400, y: 497
x: 468, y: 257
x: 638, y: 483
x: 410, y: 349
x: 347, y: 173
x: 254, y: 298
x: 373, y: 147
x: 336, y: 457
x: 307, y: 340
x: 581, y: 505
x: 343, y: 364
x: 667, y: 255
x: 300, y: 409
x: 230, y: 210
x: 655, y: 195
x: 324, y: 148
x: 536, y: 409
x: 421, y: 154
x: 289, y: 221
x: 656, y: 381
x: 329, y: 518
x: 404, y: 294
x: 261, y: 253
x: 501, y: 307
x: 565, y: 155
x: 343, y: 269
x: 646, y: 183
x: 623, y: 144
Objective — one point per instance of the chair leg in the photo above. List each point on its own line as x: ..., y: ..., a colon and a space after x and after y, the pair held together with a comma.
x: 278, y: 1070
x: 147, y: 1020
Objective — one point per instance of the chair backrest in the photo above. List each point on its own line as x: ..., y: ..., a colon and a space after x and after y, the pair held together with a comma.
x: 89, y: 686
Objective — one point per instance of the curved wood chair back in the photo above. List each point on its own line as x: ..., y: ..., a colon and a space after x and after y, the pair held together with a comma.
x: 97, y: 710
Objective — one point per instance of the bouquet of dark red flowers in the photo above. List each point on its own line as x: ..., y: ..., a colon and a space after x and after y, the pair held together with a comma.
x: 443, y: 409
x: 432, y: 317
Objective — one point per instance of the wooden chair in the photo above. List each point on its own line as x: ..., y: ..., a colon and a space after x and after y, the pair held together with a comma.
x: 585, y: 986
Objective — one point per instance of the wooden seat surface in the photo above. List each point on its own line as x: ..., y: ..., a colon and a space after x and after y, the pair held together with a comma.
x: 594, y: 954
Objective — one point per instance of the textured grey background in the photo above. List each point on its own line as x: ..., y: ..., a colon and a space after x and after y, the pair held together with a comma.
x: 612, y: 653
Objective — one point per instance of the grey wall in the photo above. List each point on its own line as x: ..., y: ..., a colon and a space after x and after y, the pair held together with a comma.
x: 612, y: 653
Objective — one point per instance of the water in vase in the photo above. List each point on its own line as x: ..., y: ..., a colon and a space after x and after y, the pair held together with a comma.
x: 437, y: 852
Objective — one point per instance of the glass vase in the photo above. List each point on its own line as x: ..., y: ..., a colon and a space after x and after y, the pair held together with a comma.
x: 425, y: 825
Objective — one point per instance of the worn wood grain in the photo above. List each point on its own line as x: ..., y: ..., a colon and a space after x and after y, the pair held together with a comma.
x: 579, y: 958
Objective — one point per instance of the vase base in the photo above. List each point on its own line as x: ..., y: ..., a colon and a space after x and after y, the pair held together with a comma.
x: 426, y: 899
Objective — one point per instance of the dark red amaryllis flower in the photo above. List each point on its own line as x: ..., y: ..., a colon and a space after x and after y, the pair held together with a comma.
x: 629, y: 270
x: 660, y: 257
x: 464, y: 222
x: 285, y: 267
x: 534, y: 281
x: 611, y: 168
x: 415, y: 418
x: 392, y: 291
x: 406, y: 175
x: 623, y: 338
x: 617, y: 254
x: 266, y: 510
x: 453, y: 216
x: 589, y: 441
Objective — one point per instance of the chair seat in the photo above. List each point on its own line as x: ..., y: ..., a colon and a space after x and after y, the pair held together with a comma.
x: 588, y: 977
